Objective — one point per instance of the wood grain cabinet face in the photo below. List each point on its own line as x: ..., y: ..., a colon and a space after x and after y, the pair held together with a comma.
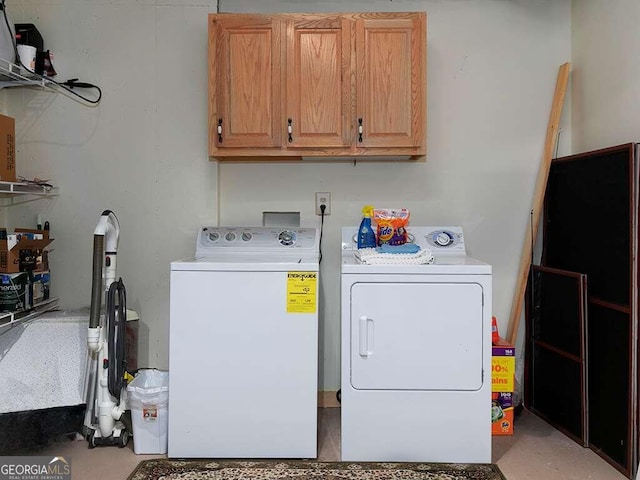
x: 293, y: 85
x: 390, y: 79
x: 245, y: 82
x: 318, y: 90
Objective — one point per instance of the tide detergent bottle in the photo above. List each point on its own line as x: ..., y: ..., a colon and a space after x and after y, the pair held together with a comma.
x: 366, y: 235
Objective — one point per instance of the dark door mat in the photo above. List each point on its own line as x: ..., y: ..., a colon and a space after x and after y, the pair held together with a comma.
x: 310, y: 470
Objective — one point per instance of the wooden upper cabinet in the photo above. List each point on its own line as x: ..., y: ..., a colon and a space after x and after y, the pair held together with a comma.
x: 391, y: 80
x: 318, y: 90
x: 245, y: 81
x: 293, y: 85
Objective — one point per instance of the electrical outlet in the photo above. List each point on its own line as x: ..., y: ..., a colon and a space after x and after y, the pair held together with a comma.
x: 323, y: 198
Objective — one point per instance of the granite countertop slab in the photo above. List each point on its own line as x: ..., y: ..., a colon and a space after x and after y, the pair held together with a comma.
x: 43, y: 362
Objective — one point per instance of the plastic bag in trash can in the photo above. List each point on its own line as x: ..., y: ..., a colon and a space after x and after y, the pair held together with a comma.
x: 149, y: 387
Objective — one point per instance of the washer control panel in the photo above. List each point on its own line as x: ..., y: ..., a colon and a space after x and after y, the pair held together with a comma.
x: 255, y: 239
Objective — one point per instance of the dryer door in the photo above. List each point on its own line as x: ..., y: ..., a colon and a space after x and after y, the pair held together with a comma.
x: 416, y: 336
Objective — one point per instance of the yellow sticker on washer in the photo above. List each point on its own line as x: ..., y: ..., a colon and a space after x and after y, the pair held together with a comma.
x: 301, y: 292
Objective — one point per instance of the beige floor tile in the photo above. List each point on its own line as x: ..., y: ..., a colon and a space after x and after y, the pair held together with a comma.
x: 536, y: 451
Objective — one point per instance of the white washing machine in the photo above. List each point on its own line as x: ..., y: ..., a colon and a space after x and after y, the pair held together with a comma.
x: 243, y: 345
x: 416, y: 354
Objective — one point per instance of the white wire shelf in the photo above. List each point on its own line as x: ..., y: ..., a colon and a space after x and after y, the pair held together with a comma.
x: 8, y: 319
x: 25, y: 188
x: 12, y: 75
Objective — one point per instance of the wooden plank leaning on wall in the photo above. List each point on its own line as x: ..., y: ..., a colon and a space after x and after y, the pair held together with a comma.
x: 538, y: 201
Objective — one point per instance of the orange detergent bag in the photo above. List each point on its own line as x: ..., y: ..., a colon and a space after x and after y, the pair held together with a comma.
x: 391, y: 225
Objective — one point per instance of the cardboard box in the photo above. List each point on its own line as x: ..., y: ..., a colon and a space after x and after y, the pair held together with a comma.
x: 502, y: 413
x: 503, y: 367
x: 7, y: 149
x: 503, y: 374
x: 24, y: 250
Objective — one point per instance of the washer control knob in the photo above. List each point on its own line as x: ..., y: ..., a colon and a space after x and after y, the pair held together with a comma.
x: 287, y: 237
x: 230, y: 236
x: 246, y: 236
x: 443, y: 239
x: 214, y: 236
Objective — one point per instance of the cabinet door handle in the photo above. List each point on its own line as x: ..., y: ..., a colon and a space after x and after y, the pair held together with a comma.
x: 219, y: 130
x: 360, y: 130
x: 290, y: 129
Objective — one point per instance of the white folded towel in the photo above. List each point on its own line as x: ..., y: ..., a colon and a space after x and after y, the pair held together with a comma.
x: 370, y: 256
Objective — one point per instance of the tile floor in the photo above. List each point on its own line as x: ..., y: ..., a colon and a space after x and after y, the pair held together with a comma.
x: 536, y: 451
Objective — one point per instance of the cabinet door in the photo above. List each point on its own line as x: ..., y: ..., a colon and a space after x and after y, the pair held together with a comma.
x: 391, y: 85
x: 318, y: 86
x: 244, y: 81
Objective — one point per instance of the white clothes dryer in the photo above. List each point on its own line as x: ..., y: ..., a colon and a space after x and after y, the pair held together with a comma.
x: 416, y: 354
x: 243, y: 345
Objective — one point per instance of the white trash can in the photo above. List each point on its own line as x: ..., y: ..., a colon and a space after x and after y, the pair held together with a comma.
x: 148, y: 395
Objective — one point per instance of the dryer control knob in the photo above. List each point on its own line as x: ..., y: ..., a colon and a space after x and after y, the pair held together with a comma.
x: 214, y: 236
x: 230, y: 236
x: 246, y: 236
x: 443, y: 239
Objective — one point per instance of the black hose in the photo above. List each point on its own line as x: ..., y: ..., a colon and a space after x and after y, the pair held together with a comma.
x: 96, y: 281
x: 116, y: 315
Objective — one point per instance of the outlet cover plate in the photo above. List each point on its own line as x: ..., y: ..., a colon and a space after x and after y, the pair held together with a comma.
x: 323, y: 198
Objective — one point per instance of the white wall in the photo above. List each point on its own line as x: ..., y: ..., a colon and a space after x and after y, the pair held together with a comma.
x: 606, y: 72
x: 492, y: 67
x: 142, y: 152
